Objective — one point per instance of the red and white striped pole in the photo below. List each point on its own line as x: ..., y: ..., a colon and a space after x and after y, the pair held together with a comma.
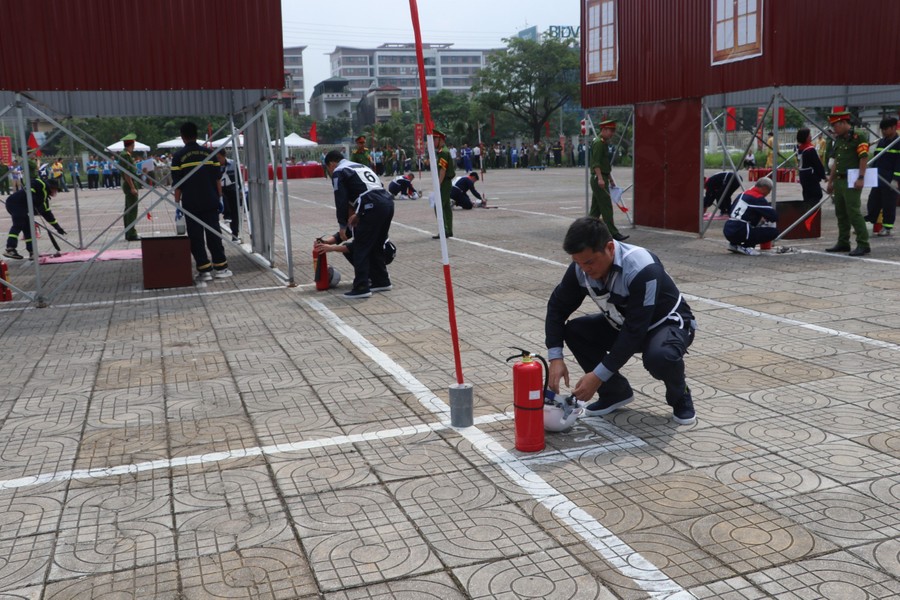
x: 461, y: 394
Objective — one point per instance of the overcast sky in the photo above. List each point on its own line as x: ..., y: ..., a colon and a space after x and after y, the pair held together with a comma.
x: 320, y: 26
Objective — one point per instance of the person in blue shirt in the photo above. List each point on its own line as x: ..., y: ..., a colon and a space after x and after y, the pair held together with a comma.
x: 459, y: 193
x: 93, y: 173
x: 75, y: 172
x: 107, y: 174
x: 752, y: 220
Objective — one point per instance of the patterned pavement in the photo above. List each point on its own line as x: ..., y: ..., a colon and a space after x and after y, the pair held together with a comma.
x: 247, y: 440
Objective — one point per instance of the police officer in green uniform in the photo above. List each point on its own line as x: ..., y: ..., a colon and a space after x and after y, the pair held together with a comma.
x: 851, y: 151
x: 601, y: 178
x: 130, y: 186
x: 446, y: 173
x: 362, y: 155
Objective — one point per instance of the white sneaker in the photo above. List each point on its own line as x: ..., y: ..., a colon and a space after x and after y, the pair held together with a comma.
x: 222, y: 274
x: 748, y: 251
x: 734, y: 248
x: 205, y: 276
x: 886, y: 232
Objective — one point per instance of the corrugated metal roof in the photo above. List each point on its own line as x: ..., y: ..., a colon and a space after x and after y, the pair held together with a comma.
x: 137, y: 104
x: 151, y: 45
x: 665, y: 51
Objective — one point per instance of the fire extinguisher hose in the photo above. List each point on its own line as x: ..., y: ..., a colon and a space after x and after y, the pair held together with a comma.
x: 524, y: 354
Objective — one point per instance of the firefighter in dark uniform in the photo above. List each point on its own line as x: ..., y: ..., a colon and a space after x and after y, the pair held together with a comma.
x: 601, y: 178
x: 851, y: 151
x: 362, y: 155
x: 201, y: 195
x: 362, y: 205
x: 460, y: 192
x: 17, y: 207
x: 883, y: 198
x: 130, y: 185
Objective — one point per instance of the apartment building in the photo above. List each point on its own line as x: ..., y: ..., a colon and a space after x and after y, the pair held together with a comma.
x: 293, y: 71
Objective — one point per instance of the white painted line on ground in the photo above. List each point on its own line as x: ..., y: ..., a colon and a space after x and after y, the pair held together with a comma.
x: 615, y: 551
x: 214, y: 457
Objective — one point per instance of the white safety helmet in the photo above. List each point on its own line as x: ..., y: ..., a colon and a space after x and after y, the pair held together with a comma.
x: 556, y: 420
x: 334, y: 277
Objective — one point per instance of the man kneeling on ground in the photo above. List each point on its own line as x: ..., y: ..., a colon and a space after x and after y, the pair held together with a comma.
x: 641, y: 310
x: 459, y: 193
x: 403, y: 185
x: 752, y: 220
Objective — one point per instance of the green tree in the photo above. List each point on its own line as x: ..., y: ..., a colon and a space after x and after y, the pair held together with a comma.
x: 333, y: 130
x: 530, y: 81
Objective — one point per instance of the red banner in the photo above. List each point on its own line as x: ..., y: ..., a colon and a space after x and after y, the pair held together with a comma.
x: 780, y: 117
x: 313, y: 134
x: 419, y: 136
x: 6, y: 149
x: 730, y: 120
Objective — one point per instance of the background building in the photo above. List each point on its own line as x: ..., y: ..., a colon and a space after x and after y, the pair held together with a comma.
x: 377, y: 105
x: 330, y: 98
x: 293, y: 70
x: 395, y: 65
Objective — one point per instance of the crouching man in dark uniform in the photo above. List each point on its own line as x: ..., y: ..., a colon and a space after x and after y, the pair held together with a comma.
x: 17, y: 207
x: 365, y: 207
x: 641, y: 310
x: 459, y: 193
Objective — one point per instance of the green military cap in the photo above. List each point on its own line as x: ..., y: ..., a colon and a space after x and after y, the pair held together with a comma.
x: 611, y: 123
x: 842, y: 115
x: 130, y: 137
x: 436, y: 133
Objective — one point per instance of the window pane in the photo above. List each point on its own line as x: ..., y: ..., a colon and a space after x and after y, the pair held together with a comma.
x: 728, y: 13
x: 720, y: 36
x: 594, y: 62
x: 751, y: 29
x: 607, y: 12
x: 741, y: 31
x: 594, y: 39
x: 594, y: 16
x: 607, y: 60
x: 742, y: 7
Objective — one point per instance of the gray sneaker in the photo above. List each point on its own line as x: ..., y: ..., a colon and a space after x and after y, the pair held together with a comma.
x: 13, y: 253
x: 222, y: 273
x: 204, y: 276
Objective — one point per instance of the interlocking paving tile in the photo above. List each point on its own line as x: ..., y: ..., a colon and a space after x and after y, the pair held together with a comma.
x: 849, y: 420
x: 838, y: 575
x: 887, y: 442
x: 437, y: 586
x: 852, y: 388
x: 481, y: 534
x: 277, y: 572
x: 212, y: 489
x: 769, y: 476
x: 234, y: 527
x: 303, y: 472
x: 613, y: 510
x: 369, y: 555
x: 843, y: 515
x: 137, y: 371
x: 30, y: 510
x: 211, y: 434
x: 782, y: 435
x: 844, y: 461
x: 111, y: 447
x: 703, y: 447
x: 852, y: 363
x: 20, y: 457
x: 345, y: 510
x: 103, y: 546
x: 552, y: 574
x: 285, y: 427
x: 791, y: 399
x: 883, y: 555
x: 58, y: 407
x: 681, y: 560
x: 795, y: 371
x: 296, y: 400
x: 411, y: 456
x: 752, y: 537
x: 729, y: 409
x: 24, y: 560
x: 734, y: 588
x: 158, y: 581
x: 447, y: 492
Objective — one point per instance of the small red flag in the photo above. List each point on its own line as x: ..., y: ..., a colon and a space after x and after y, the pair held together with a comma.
x: 313, y: 135
x: 781, y: 117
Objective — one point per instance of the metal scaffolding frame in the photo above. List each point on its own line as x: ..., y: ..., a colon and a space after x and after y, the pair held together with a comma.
x: 262, y: 221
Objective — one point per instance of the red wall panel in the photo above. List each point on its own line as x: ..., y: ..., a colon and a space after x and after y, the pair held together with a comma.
x: 667, y: 164
x: 664, y: 50
x: 152, y: 45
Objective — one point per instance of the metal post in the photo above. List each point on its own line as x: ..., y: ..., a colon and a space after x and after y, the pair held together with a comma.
x: 75, y: 189
x: 775, y: 154
x: 285, y: 209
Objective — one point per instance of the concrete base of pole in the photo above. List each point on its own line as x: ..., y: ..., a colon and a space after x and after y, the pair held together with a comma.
x: 461, y: 405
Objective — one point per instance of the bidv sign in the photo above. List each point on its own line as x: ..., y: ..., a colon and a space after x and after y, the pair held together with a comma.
x: 563, y: 31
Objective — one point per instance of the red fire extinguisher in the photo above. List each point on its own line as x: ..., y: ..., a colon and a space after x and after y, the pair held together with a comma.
x: 5, y: 291
x: 528, y: 394
x: 320, y: 269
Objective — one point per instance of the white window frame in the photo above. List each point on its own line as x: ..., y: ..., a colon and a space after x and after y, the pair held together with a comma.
x: 601, y: 56
x: 732, y: 18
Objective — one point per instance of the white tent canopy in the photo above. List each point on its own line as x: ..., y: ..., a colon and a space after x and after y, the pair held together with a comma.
x: 295, y: 141
x: 226, y: 141
x: 175, y: 143
x: 120, y: 146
